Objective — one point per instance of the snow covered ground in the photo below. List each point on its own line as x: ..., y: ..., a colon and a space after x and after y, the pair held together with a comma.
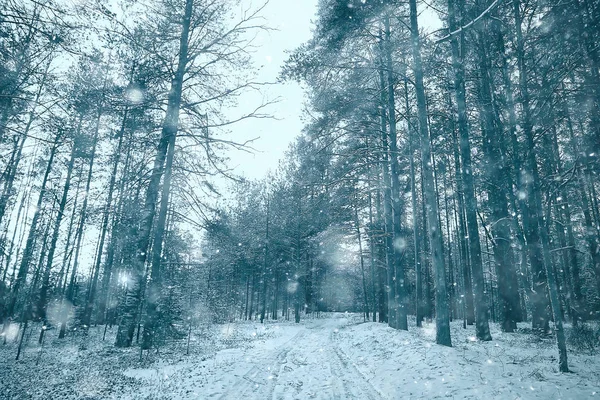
x: 337, y: 357
x: 409, y: 365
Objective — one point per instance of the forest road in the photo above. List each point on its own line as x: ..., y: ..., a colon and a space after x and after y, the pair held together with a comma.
x: 305, y: 362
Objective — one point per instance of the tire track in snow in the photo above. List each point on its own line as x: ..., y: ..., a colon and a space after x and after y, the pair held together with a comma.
x: 252, y: 385
x: 355, y: 385
x: 308, y: 365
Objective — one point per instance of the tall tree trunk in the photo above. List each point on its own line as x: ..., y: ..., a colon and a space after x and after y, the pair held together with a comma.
x: 428, y: 308
x: 381, y: 262
x: 511, y: 295
x: 25, y: 187
x: 361, y: 255
x: 68, y: 249
x: 154, y: 294
x: 564, y: 228
x: 590, y: 231
x: 32, y: 236
x: 9, y: 174
x: 435, y: 238
x: 251, y: 307
x: 247, y: 297
x: 116, y: 231
x: 168, y: 135
x: 89, y: 304
x: 265, y: 265
x: 14, y: 235
x: 82, y: 220
x: 275, y: 299
x: 482, y: 328
x: 372, y: 264
x: 516, y: 202
x: 500, y: 219
x: 400, y: 302
x: 467, y: 300
x: 453, y: 308
x: 13, y: 166
x: 387, y: 206
x: 415, y: 217
x: 554, y: 294
x: 43, y: 297
x: 530, y: 181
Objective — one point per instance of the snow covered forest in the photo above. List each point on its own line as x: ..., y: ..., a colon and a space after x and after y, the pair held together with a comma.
x: 433, y: 230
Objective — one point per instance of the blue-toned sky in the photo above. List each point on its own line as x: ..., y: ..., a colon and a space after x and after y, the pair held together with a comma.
x: 291, y: 20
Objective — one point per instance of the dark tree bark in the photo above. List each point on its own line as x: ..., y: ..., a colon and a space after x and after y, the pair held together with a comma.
x: 415, y: 218
x: 386, y: 190
x: 69, y: 295
x: 399, y: 320
x: 168, y: 135
x: 529, y: 183
x: 361, y: 256
x: 32, y: 236
x: 89, y: 304
x: 480, y: 301
x: 435, y: 238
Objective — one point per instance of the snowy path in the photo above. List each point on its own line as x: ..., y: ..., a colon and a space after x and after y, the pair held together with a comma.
x: 336, y: 358
x: 305, y: 363
x: 333, y: 357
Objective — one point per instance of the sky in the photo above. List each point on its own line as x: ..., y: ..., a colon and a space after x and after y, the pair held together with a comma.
x: 293, y: 24
x: 292, y: 21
